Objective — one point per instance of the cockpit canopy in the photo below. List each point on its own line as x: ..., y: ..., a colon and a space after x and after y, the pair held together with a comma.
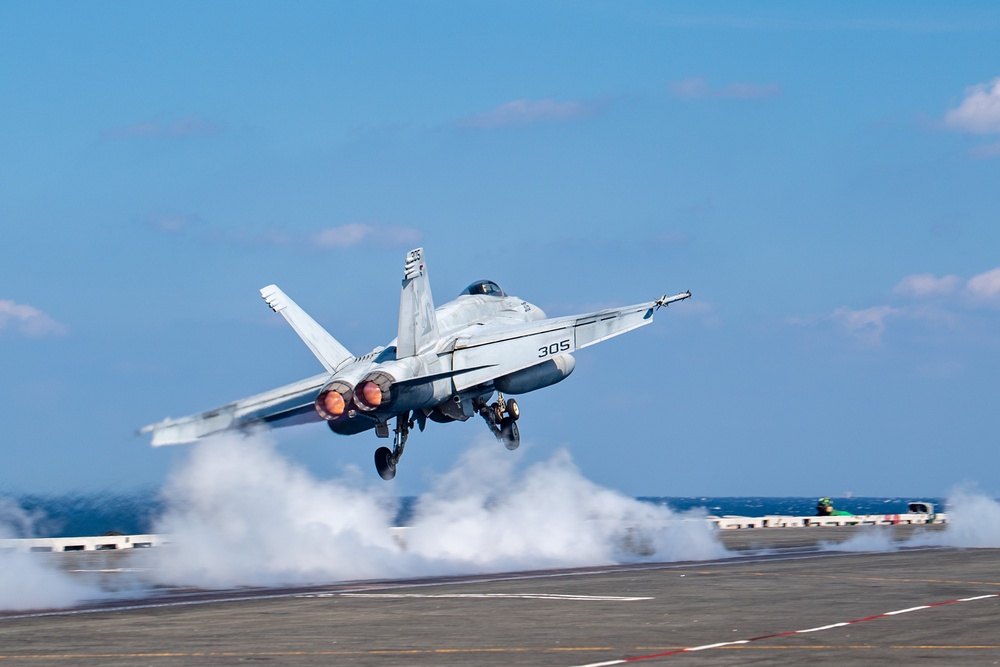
x: 481, y: 287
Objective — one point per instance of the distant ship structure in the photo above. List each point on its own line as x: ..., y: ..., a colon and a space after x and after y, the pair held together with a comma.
x: 918, y: 512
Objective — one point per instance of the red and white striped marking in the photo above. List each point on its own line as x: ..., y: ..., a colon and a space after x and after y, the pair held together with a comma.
x: 691, y: 649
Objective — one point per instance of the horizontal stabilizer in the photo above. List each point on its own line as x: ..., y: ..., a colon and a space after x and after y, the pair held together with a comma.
x: 331, y: 354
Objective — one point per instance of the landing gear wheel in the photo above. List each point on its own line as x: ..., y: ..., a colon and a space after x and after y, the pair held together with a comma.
x: 384, y: 463
x: 497, y: 412
x: 510, y: 436
x: 513, y: 410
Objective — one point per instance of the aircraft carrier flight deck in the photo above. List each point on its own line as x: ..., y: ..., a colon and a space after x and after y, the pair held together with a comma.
x: 777, y: 600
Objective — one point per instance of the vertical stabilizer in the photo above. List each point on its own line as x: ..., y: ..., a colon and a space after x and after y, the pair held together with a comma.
x: 417, y: 322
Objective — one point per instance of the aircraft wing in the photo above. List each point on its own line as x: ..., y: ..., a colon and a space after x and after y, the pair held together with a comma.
x: 284, y: 406
x: 496, y: 350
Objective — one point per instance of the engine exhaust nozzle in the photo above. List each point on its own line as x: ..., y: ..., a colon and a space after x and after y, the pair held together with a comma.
x: 333, y: 400
x: 374, y: 391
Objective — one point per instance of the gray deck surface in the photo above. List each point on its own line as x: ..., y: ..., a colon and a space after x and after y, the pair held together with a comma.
x: 522, y: 618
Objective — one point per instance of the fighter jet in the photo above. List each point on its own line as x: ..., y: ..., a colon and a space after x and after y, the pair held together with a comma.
x: 445, y: 365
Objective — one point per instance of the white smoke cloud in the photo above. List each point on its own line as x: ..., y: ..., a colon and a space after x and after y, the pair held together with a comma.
x: 27, y: 582
x: 240, y: 514
x: 866, y: 539
x: 487, y: 515
x: 973, y: 521
x: 33, y: 581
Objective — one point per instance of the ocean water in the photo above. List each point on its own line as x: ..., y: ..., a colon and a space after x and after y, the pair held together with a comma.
x: 82, y: 514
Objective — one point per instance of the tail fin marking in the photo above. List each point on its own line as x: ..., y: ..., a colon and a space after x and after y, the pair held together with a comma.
x: 418, y: 328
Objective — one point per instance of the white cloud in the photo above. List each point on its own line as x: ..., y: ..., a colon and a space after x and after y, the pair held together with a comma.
x: 344, y: 236
x: 173, y: 222
x: 696, y: 88
x: 529, y: 112
x: 190, y: 126
x: 867, y: 324
x: 953, y: 315
x: 28, y: 321
x: 355, y: 233
x: 401, y: 235
x: 985, y: 287
x: 927, y: 285
x: 979, y: 112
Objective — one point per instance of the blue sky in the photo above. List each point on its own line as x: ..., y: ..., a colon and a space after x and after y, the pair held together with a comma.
x: 824, y: 178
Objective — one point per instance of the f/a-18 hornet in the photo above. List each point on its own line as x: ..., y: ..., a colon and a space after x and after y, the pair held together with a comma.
x: 445, y: 365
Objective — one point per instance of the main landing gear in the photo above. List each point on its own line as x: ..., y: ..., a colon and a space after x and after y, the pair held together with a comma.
x: 502, y: 417
x: 386, y: 459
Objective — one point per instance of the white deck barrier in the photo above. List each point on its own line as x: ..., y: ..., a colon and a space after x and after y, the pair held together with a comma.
x: 119, y: 542
x: 777, y: 521
x: 101, y: 543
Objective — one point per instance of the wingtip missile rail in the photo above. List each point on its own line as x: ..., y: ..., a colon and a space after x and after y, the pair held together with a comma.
x: 665, y: 300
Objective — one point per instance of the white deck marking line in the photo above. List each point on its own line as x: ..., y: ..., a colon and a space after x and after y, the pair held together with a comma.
x: 653, y: 656
x: 708, y: 646
x: 823, y: 627
x: 906, y: 611
x: 463, y: 596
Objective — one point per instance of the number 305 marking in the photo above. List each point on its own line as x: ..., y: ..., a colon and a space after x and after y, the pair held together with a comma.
x: 554, y: 348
